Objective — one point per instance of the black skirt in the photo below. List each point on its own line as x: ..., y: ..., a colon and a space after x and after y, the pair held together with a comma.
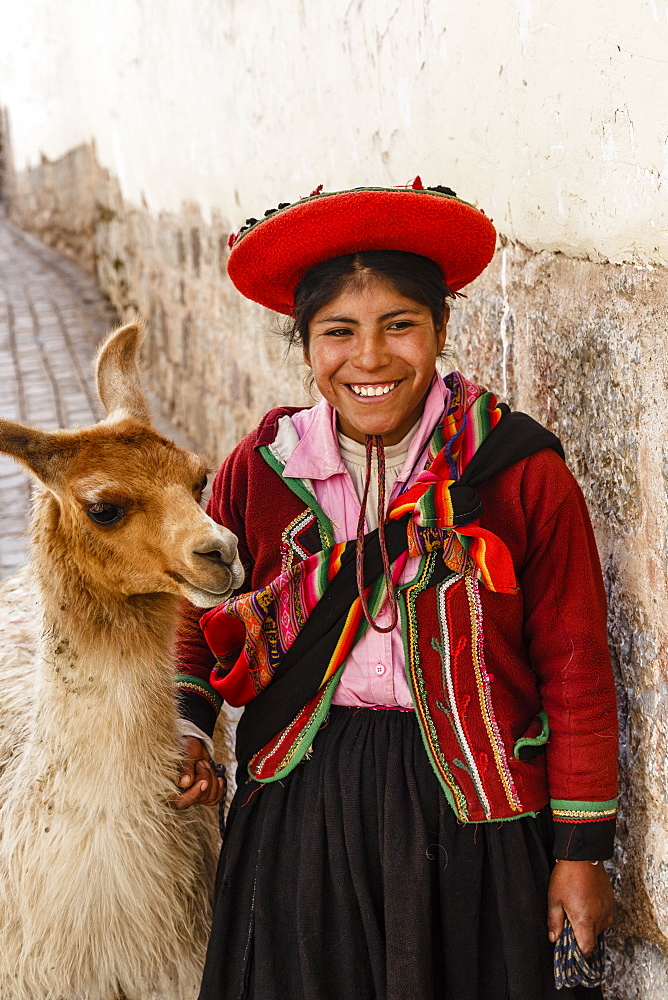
x: 351, y: 879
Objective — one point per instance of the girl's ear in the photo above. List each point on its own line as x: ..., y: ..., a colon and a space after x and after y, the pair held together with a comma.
x: 307, y: 360
x: 442, y: 333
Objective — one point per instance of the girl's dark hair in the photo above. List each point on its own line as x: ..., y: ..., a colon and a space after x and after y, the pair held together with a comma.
x: 413, y: 276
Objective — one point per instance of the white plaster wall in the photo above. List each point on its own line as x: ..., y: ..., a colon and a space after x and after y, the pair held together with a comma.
x: 550, y: 114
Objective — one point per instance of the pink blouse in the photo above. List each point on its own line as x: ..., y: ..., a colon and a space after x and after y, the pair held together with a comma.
x: 374, y: 673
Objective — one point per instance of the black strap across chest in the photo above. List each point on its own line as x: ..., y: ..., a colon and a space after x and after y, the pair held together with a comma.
x: 298, y: 676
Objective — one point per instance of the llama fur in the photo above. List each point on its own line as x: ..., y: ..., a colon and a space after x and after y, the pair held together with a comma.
x: 105, y: 887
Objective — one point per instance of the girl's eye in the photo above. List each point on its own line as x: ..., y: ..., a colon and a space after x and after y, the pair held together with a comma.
x: 342, y: 332
x: 400, y: 325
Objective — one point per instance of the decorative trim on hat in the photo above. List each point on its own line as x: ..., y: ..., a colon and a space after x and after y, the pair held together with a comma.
x: 270, y: 256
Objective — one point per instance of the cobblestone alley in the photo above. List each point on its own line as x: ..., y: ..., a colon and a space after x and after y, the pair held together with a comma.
x: 52, y: 317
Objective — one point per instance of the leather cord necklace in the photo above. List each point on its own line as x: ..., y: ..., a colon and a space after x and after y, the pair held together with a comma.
x: 371, y: 442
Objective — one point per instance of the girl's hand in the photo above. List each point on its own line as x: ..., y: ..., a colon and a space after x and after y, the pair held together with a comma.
x: 583, y: 892
x: 201, y: 784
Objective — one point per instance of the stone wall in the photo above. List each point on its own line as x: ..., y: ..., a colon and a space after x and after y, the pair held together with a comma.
x: 4, y: 149
x: 583, y: 347
x: 217, y: 361
x: 579, y: 345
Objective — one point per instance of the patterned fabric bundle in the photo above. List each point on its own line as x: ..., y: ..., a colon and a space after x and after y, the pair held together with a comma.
x: 263, y: 624
x: 443, y: 512
x: 571, y: 968
x: 266, y: 622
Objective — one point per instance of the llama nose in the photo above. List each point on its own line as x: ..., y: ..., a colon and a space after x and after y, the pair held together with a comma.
x: 215, y: 553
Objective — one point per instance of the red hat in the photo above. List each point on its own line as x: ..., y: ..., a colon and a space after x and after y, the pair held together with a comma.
x: 269, y: 257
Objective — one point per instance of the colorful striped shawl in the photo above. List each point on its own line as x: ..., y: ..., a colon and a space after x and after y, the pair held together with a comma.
x: 251, y: 633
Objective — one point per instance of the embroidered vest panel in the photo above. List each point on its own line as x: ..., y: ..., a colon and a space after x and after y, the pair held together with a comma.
x: 473, y: 705
x: 300, y: 539
x: 473, y: 721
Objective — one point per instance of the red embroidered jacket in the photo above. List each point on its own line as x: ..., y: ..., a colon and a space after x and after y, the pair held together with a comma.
x: 496, y: 678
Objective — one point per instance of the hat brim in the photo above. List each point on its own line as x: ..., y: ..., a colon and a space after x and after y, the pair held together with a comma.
x: 268, y: 261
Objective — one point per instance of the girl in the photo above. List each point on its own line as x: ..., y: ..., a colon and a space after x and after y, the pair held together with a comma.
x: 420, y: 645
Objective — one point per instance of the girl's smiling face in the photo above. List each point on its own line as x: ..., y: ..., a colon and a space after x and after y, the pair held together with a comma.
x: 373, y: 353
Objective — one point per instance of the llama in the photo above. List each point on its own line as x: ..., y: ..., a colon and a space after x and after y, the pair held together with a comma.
x: 104, y: 885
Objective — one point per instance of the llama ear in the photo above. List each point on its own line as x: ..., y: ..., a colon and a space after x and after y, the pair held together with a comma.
x: 42, y: 453
x: 117, y: 374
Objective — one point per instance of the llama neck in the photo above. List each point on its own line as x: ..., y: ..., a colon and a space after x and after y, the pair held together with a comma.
x: 80, y: 633
x: 106, y: 657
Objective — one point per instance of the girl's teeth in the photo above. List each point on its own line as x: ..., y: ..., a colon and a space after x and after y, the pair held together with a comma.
x: 373, y: 390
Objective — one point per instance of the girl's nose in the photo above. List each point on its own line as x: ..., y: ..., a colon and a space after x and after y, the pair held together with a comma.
x: 370, y: 353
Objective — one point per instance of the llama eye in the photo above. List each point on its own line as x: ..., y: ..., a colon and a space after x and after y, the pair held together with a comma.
x: 105, y: 513
x: 202, y: 486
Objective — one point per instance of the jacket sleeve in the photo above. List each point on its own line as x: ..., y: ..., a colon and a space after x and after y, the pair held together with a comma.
x: 199, y: 702
x: 565, y: 629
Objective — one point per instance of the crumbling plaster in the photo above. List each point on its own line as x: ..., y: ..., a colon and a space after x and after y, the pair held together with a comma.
x: 548, y: 112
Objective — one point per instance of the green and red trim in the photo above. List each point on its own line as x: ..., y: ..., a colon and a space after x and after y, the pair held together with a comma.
x: 198, y: 701
x: 583, y: 831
